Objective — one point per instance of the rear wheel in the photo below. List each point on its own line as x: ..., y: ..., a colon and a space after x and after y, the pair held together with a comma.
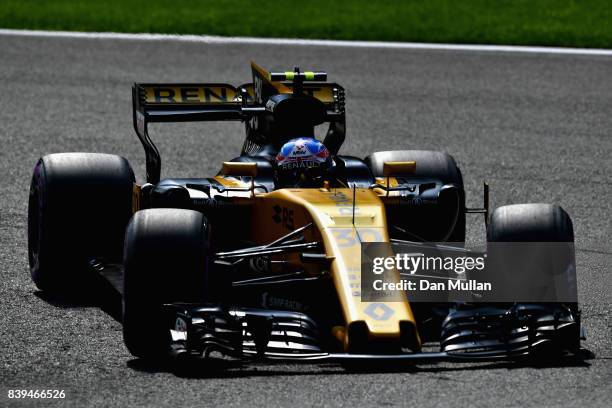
x: 447, y: 221
x: 79, y: 206
x: 165, y: 261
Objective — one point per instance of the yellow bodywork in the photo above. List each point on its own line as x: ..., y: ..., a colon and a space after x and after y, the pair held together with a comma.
x: 341, y: 232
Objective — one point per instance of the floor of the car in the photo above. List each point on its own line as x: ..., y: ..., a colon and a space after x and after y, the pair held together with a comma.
x: 113, y: 273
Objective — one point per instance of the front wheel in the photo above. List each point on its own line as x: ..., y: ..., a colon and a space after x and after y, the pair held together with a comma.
x: 531, y: 248
x: 165, y: 261
x: 532, y: 260
x: 532, y: 309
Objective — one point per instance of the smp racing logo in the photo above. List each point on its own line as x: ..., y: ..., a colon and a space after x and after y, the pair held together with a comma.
x: 300, y: 150
x: 272, y: 302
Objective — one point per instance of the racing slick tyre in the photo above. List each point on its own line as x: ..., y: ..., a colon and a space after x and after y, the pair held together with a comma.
x: 530, y: 223
x: 541, y: 262
x: 79, y: 205
x: 165, y: 261
x: 543, y: 268
x: 449, y: 224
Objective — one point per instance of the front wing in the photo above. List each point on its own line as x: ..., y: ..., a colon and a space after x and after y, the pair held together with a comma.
x: 483, y: 333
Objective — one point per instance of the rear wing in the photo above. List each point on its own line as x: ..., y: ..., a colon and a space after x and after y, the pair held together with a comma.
x: 214, y: 102
x: 186, y: 102
x: 189, y: 102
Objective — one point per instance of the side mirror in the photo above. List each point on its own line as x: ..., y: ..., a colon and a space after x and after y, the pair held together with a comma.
x: 397, y: 169
x: 237, y: 169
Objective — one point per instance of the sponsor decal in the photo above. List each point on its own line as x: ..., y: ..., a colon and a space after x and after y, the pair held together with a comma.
x: 302, y: 153
x: 272, y: 302
x: 304, y: 164
x: 270, y: 105
x: 193, y: 94
x: 378, y: 311
x: 411, y: 201
x: 343, y: 203
x: 284, y: 216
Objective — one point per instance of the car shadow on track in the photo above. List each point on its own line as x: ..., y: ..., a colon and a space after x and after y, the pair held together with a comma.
x: 222, y: 368
x: 108, y: 300
x: 104, y: 297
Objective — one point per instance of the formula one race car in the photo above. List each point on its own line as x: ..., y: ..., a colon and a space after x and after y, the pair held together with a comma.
x: 264, y: 260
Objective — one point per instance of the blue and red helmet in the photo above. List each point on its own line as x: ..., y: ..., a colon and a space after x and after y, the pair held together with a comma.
x: 302, y: 162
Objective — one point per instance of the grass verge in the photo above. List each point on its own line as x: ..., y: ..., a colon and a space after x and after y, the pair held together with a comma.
x: 571, y: 23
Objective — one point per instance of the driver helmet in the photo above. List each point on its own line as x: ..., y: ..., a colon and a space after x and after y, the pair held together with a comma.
x: 302, y: 162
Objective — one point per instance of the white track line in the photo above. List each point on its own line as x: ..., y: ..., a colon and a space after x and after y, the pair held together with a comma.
x: 211, y: 39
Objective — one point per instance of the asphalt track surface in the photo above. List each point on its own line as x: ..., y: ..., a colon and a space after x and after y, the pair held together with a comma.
x: 536, y: 127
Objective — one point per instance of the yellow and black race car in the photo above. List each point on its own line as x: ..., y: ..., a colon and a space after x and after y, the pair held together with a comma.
x: 269, y: 258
